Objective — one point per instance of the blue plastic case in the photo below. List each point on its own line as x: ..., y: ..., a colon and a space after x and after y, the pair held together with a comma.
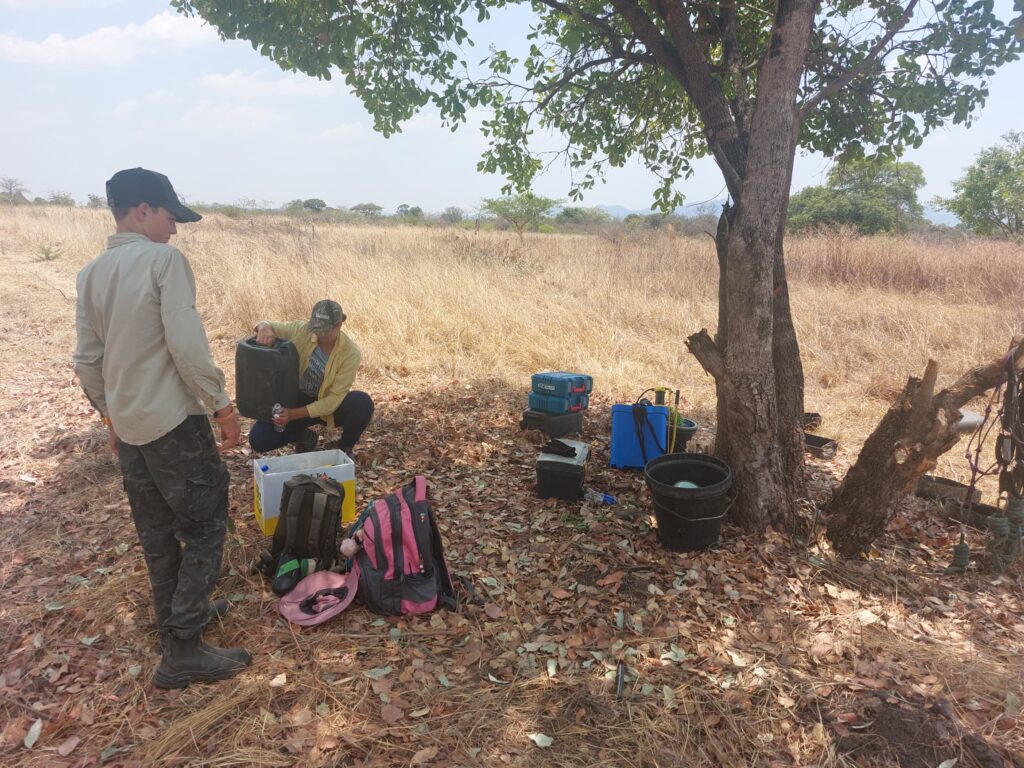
x: 561, y: 383
x: 557, y: 404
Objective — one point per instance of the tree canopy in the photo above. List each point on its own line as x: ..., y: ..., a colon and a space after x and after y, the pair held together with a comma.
x: 989, y: 197
x: 869, y: 195
x: 667, y: 83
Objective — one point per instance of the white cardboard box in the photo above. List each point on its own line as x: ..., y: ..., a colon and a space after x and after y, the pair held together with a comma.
x: 270, y: 472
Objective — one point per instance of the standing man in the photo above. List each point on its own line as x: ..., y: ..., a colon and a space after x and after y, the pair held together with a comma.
x: 144, y: 362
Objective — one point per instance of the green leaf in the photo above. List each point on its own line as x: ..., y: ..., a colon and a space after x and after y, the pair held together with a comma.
x: 443, y: 680
x: 377, y: 672
x: 33, y: 734
x: 676, y: 654
x: 541, y: 739
x: 322, y: 709
x: 1012, y: 706
x: 668, y: 697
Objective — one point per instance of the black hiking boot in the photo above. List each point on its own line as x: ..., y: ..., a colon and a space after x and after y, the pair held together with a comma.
x: 193, y: 661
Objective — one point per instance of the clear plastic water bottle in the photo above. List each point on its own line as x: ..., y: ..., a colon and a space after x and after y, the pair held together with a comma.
x: 599, y: 498
x: 276, y: 411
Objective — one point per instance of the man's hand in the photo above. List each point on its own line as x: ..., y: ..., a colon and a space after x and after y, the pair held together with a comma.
x: 230, y: 427
x: 265, y: 335
x: 230, y: 431
x: 112, y: 439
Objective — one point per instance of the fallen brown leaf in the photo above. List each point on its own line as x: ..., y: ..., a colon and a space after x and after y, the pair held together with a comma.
x: 424, y: 756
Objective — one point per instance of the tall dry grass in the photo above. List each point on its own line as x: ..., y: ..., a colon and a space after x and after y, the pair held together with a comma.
x: 433, y: 305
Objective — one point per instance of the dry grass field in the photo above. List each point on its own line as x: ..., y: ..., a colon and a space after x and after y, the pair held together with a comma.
x: 760, y: 653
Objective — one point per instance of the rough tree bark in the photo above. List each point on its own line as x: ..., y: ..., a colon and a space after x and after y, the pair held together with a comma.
x: 918, y: 428
x: 759, y: 358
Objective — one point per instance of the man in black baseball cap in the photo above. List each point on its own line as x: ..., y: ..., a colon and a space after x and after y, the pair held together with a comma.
x: 144, y: 362
x: 130, y: 187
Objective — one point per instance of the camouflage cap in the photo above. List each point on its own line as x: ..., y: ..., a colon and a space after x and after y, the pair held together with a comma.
x: 326, y: 314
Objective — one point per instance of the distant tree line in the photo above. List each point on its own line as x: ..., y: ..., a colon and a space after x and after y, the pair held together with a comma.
x: 868, y: 196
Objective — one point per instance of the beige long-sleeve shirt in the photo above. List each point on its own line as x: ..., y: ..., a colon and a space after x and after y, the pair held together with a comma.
x: 142, y: 356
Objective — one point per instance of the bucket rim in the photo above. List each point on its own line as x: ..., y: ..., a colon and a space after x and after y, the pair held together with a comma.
x: 656, y: 486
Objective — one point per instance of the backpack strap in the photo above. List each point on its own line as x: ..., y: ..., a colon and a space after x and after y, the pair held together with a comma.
x: 420, y: 486
x: 291, y: 518
x: 327, y: 485
x: 394, y: 511
x: 313, y: 535
x: 447, y: 589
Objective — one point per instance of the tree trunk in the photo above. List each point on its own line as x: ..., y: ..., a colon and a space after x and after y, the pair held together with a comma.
x: 722, y: 335
x: 759, y: 359
x: 917, y: 429
x: 789, y: 384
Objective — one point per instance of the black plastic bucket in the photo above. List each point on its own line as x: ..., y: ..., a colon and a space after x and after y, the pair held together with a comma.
x: 685, y: 430
x: 689, y: 518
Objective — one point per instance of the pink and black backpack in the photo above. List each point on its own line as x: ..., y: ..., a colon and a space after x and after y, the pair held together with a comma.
x: 401, y: 566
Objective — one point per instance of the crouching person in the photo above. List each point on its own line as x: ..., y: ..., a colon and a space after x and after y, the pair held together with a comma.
x: 328, y: 362
x: 144, y: 362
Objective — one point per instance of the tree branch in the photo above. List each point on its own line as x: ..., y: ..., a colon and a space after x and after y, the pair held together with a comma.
x: 921, y: 404
x: 873, y: 56
x: 703, y: 347
x: 983, y: 377
x: 719, y: 124
x: 599, y: 24
x: 733, y: 64
x: 689, y: 68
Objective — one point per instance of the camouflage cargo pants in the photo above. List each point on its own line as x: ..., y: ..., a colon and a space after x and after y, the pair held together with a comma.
x: 177, y: 487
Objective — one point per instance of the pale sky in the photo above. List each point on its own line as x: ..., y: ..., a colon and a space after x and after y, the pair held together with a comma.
x: 93, y: 86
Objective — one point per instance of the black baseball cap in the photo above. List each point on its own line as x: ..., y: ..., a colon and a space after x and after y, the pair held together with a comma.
x: 132, y: 186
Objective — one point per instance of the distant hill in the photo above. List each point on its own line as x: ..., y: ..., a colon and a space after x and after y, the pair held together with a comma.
x: 939, y: 216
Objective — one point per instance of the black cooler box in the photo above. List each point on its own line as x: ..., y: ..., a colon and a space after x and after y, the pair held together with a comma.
x: 554, y: 425
x: 264, y: 376
x: 562, y: 477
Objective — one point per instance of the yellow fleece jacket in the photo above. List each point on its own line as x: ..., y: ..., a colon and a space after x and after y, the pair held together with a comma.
x: 339, y: 373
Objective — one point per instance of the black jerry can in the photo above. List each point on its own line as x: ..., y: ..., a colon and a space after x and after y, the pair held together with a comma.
x: 265, y: 375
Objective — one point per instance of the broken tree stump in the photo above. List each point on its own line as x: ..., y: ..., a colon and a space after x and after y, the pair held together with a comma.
x: 918, y: 428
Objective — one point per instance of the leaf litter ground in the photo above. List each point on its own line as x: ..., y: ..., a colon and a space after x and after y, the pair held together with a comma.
x: 761, y: 652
